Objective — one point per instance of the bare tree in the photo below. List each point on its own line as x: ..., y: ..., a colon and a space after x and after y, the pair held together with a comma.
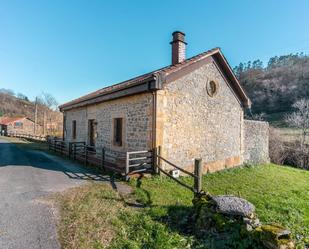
x: 49, y: 113
x: 22, y: 96
x: 48, y: 100
x: 277, y: 152
x: 300, y: 119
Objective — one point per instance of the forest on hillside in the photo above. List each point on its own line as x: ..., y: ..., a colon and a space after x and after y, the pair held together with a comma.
x: 273, y: 88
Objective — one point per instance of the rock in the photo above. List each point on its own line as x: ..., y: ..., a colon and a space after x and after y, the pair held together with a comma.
x: 276, y: 231
x: 249, y: 228
x: 256, y: 223
x: 234, y: 219
x: 232, y: 205
x: 274, y: 236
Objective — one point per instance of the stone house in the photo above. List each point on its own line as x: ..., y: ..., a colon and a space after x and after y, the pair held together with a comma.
x: 193, y: 108
x: 18, y: 125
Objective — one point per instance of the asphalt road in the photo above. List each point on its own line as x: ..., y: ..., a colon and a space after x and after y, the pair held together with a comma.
x: 27, y: 178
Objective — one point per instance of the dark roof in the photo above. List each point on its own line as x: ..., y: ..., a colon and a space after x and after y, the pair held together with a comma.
x: 8, y: 120
x: 163, y: 72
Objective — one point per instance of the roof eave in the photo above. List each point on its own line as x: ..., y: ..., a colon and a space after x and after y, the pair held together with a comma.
x: 148, y: 85
x: 246, y: 102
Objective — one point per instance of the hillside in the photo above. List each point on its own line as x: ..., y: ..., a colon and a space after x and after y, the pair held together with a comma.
x: 16, y: 107
x: 12, y: 106
x: 275, y: 87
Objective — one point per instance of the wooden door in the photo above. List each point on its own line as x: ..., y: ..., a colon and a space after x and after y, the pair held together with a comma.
x: 91, y: 132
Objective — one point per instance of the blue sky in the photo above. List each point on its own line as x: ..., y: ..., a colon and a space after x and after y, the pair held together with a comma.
x: 69, y: 48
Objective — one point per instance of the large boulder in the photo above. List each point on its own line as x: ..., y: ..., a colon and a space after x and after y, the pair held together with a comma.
x: 232, y: 205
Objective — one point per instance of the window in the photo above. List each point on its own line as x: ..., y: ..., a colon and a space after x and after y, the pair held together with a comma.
x: 74, y: 129
x: 118, y: 126
x: 92, y: 132
x: 18, y: 124
x: 212, y: 88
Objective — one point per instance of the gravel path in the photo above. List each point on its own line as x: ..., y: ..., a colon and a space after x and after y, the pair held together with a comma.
x: 27, y: 219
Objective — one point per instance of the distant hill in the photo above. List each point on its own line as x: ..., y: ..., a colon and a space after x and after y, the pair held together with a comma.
x: 13, y: 106
x: 275, y: 87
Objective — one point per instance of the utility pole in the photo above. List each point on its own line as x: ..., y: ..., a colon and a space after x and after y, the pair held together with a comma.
x: 44, y: 124
x: 35, y: 114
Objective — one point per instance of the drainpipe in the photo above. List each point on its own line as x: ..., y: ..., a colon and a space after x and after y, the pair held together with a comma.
x: 154, y: 119
x: 159, y: 79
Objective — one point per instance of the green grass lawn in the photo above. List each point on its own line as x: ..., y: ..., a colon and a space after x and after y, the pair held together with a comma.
x: 280, y: 194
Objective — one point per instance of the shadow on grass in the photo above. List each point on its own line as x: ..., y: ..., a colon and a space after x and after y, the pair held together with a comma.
x: 181, y: 219
x: 178, y: 218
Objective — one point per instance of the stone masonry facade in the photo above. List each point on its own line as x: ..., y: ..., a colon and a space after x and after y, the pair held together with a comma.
x: 136, y: 112
x: 191, y: 124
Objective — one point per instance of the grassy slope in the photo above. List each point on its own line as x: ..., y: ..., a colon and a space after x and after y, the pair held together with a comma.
x: 280, y: 194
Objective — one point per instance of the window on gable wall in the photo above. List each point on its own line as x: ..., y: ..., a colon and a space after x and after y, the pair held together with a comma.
x: 118, y: 131
x: 74, y: 129
x: 18, y: 124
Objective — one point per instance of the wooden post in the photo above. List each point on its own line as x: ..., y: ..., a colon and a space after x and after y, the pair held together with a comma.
x: 127, y: 166
x: 74, y: 151
x: 86, y: 155
x: 159, y: 161
x: 198, y: 173
x: 155, y: 160
x: 35, y: 115
x: 103, y: 158
x: 70, y: 149
x: 44, y: 123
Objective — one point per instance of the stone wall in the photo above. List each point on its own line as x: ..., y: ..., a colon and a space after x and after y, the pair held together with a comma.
x: 256, y: 138
x: 191, y: 124
x: 136, y: 112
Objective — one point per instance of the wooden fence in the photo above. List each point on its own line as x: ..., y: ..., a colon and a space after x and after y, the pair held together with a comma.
x: 131, y: 163
x: 89, y: 155
x: 197, y: 175
x: 138, y: 161
x: 27, y: 136
x: 134, y: 162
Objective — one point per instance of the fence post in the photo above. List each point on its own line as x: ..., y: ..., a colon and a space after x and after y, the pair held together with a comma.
x: 86, y: 155
x: 103, y: 158
x: 198, y: 173
x: 70, y: 148
x: 127, y: 166
x: 155, y: 160
x: 74, y: 151
x: 159, y: 161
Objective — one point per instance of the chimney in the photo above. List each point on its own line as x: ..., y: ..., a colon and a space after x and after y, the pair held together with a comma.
x: 178, y: 47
